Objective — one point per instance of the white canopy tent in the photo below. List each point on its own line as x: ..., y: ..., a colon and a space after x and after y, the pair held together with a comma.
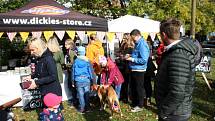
x: 127, y: 23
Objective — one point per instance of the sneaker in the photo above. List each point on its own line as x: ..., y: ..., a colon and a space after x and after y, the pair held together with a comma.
x: 71, y: 105
x: 87, y: 109
x: 136, y: 109
x: 81, y: 111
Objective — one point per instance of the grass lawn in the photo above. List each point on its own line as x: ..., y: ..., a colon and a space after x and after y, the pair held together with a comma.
x: 203, y: 107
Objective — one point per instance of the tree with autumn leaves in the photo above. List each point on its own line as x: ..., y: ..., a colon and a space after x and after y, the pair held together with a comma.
x: 154, y: 9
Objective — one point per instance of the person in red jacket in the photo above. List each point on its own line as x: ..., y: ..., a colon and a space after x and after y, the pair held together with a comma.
x: 111, y: 74
x: 160, y: 51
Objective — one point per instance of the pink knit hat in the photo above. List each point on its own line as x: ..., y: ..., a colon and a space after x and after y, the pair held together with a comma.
x: 102, y: 60
x: 52, y: 100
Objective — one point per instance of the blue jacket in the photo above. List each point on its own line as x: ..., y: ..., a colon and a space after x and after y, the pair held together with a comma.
x: 140, y: 55
x: 82, y: 70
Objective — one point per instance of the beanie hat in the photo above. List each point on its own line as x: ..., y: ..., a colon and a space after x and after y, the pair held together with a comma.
x: 52, y: 100
x: 81, y: 51
x: 102, y: 60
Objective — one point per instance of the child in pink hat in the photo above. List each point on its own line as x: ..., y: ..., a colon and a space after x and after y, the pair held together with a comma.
x: 111, y: 74
x: 53, y: 110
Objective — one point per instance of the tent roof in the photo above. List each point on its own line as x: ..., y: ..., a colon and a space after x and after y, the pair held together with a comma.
x: 127, y: 23
x: 40, y: 15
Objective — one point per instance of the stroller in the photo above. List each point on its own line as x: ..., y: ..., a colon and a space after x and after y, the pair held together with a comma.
x: 5, y: 110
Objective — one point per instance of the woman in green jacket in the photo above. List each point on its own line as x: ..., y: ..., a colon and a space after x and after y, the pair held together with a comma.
x: 58, y: 56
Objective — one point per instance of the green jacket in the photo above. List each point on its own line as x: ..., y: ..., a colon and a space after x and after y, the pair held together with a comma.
x: 59, y: 60
x: 175, y: 79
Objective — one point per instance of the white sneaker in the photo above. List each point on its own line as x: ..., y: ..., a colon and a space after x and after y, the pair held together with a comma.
x: 136, y: 109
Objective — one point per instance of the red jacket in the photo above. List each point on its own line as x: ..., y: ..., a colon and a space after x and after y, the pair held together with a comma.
x: 113, y: 73
x: 160, y: 51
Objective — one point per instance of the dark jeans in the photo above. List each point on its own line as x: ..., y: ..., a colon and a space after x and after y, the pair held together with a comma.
x: 148, y: 86
x: 125, y: 87
x: 71, y: 92
x: 175, y: 118
x: 137, y: 88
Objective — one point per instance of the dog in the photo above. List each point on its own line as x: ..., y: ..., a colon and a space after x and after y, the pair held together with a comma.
x: 108, y: 96
x: 102, y: 94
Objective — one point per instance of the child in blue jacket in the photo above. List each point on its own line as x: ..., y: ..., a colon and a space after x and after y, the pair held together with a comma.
x: 82, y: 75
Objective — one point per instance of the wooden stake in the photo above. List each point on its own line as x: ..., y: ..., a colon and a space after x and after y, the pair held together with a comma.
x: 206, y: 80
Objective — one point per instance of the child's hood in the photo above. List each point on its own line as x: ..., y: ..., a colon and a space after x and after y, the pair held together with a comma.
x: 83, y: 61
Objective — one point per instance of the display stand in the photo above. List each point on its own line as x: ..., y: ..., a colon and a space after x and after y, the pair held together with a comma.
x: 10, y: 103
x: 204, y: 67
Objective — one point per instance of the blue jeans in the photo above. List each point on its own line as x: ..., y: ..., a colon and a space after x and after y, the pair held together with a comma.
x: 83, y: 90
x: 118, y: 89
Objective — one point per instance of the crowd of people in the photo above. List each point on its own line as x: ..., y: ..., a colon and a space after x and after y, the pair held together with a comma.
x: 130, y: 75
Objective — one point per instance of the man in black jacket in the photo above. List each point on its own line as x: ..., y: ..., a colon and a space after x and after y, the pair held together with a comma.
x: 176, y: 74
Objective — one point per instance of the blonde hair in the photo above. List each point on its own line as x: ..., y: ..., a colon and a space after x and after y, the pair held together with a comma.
x: 69, y: 42
x: 53, y: 44
x: 38, y: 43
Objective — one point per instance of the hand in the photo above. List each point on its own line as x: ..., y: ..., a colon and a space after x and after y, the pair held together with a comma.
x: 26, y: 78
x: 129, y: 59
x: 73, y: 85
x: 33, y: 84
x: 106, y: 86
x: 127, y: 56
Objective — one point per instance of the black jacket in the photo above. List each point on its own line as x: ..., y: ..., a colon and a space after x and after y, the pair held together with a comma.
x: 46, y: 72
x: 176, y: 78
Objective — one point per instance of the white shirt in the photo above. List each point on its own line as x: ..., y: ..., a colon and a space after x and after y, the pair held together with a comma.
x: 173, y: 43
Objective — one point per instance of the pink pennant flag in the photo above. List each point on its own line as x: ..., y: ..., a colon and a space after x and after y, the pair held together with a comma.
x: 100, y: 36
x: 81, y: 34
x: 36, y: 34
x: 152, y: 35
x: 119, y: 36
x: 11, y: 35
x: 60, y: 34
